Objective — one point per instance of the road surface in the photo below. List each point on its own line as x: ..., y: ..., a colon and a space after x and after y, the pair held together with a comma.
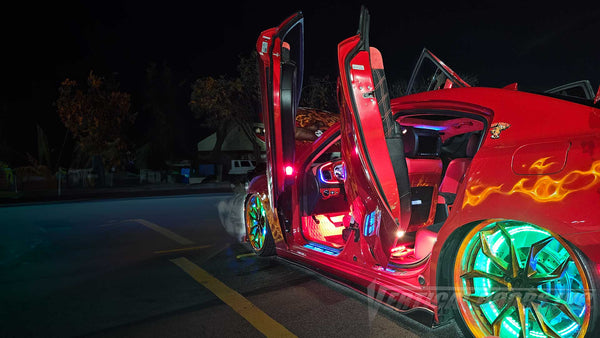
x: 166, y: 266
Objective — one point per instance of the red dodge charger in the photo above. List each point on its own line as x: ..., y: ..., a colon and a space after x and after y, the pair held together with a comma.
x: 478, y: 204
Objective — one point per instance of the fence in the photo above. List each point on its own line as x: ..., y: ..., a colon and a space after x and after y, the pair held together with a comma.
x: 7, y: 180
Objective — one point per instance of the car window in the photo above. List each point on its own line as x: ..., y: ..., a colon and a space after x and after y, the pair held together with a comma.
x: 332, y: 153
x: 431, y: 73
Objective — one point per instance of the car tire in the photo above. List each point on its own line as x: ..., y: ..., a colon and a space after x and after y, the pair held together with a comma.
x: 258, y: 231
x: 552, y: 290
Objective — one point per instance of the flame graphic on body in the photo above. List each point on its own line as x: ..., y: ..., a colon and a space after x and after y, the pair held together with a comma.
x: 541, y: 164
x: 543, y: 189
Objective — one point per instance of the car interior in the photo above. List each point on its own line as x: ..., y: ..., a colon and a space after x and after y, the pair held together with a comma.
x: 438, y: 148
x: 325, y: 205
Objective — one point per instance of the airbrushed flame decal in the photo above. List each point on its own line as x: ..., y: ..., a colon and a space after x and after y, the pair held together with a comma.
x: 541, y: 164
x: 541, y: 189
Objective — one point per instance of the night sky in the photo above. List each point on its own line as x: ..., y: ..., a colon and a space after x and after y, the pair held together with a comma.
x: 501, y: 42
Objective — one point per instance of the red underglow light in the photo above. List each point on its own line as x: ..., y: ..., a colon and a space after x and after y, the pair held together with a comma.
x: 289, y: 170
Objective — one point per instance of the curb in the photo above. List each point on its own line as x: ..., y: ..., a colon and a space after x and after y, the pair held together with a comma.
x: 107, y: 194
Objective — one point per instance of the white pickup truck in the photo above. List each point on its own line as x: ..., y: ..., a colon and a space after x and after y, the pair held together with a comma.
x: 241, y: 167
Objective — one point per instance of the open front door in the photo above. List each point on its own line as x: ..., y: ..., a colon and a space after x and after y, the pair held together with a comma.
x: 372, y: 146
x: 280, y: 55
x: 431, y: 73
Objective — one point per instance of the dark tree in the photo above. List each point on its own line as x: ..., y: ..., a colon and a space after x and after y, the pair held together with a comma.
x: 97, y: 116
x: 319, y: 93
x: 221, y: 103
x: 159, y: 110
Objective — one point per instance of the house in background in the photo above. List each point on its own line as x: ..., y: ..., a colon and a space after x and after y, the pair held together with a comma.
x: 236, y: 146
x: 236, y: 143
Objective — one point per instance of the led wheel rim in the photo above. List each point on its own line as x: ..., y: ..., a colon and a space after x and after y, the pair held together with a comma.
x: 514, y: 279
x: 256, y: 222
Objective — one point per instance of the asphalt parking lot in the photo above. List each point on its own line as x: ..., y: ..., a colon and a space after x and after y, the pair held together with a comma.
x: 167, y: 266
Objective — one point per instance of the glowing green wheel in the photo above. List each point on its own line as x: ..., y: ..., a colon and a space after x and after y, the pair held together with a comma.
x: 514, y: 279
x: 257, y: 227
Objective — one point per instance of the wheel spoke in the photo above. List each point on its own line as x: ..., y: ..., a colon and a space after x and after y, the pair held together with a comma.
x: 557, y: 273
x: 481, y: 274
x: 514, y: 261
x: 261, y: 209
x: 521, y: 313
x: 485, y: 248
x: 533, y: 252
x: 547, y: 329
x: 477, y: 300
x: 497, y: 323
x: 561, y: 305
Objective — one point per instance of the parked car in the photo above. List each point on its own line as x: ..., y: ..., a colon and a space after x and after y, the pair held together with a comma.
x: 241, y: 167
x: 478, y: 204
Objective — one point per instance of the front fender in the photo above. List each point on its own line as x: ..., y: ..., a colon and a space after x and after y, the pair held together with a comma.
x: 258, y: 185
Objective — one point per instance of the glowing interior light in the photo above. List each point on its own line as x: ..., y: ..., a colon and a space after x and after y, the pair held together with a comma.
x: 372, y: 222
x: 289, y: 170
x: 337, y: 219
x: 438, y: 128
x: 400, y: 234
x: 323, y: 249
x: 398, y: 248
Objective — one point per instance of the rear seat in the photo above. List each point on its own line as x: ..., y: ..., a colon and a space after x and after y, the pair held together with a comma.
x: 456, y: 171
x: 422, y: 152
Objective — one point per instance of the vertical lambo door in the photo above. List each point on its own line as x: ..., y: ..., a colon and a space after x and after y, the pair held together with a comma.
x: 377, y: 183
x: 280, y: 56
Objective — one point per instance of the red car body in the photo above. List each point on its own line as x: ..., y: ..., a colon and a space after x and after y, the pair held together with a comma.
x: 537, y: 161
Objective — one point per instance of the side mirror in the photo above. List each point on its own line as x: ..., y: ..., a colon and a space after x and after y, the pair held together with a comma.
x: 597, y: 97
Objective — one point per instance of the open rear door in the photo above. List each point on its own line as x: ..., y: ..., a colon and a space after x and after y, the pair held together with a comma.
x: 372, y: 146
x: 280, y: 55
x: 581, y: 89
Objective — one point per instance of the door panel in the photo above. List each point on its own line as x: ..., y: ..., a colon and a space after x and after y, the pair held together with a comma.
x: 372, y: 145
x: 281, y: 61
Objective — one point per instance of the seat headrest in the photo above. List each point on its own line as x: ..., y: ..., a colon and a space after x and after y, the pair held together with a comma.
x: 473, y: 144
x: 421, y: 143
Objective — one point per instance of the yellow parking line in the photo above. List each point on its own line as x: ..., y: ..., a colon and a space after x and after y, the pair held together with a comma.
x: 245, y: 255
x: 183, y: 249
x: 255, y: 316
x: 167, y: 233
